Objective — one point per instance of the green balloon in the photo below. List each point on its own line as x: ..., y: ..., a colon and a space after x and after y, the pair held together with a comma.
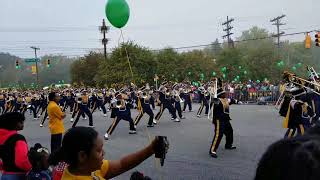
x: 117, y: 12
x: 294, y: 68
x: 245, y: 72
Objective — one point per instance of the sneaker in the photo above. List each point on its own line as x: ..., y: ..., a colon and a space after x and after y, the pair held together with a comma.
x: 172, y: 118
x: 91, y: 126
x: 71, y: 120
x: 104, y: 115
x: 84, y: 118
x: 150, y: 125
x: 213, y: 154
x: 135, y: 126
x: 182, y: 117
x: 71, y: 112
x: 41, y: 125
x: 176, y: 120
x: 198, y: 116
x: 184, y: 111
x: 35, y: 119
x: 106, y: 136
x: 132, y: 132
x: 231, y: 147
x: 154, y: 121
x: 39, y: 115
x: 108, y: 110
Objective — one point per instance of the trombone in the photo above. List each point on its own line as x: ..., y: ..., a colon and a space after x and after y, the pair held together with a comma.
x: 302, y: 82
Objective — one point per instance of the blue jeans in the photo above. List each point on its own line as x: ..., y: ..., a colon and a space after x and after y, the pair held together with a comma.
x: 13, y: 177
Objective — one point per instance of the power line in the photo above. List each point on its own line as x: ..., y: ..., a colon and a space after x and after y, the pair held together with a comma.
x: 253, y: 39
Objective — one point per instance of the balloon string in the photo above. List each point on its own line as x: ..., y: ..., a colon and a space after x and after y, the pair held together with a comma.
x: 125, y: 48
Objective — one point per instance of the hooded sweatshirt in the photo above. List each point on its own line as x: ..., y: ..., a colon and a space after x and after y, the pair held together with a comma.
x: 21, y: 150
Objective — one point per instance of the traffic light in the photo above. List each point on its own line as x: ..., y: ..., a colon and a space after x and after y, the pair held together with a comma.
x: 48, y: 63
x: 317, y: 36
x: 17, y: 64
x: 308, y: 41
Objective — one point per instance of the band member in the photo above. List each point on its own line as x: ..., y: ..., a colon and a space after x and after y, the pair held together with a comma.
x: 152, y: 99
x: 2, y: 102
x: 187, y: 96
x: 166, y: 103
x: 122, y: 112
x: 98, y: 102
x: 84, y: 109
x: 19, y: 103
x: 176, y: 100
x: 144, y: 99
x: 204, y: 100
x: 298, y: 112
x: 221, y: 120
x: 76, y: 109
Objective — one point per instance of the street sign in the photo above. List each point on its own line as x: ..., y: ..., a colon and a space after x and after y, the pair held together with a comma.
x: 31, y: 60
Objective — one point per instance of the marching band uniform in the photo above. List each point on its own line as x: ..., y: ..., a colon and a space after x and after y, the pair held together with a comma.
x: 122, y: 111
x: 221, y: 120
x: 19, y: 103
x: 76, y: 109
x: 176, y: 100
x: 187, y: 96
x: 298, y: 113
x: 204, y: 100
x: 145, y: 108
x: 98, y: 102
x: 166, y: 103
x: 2, y: 102
x: 84, y: 109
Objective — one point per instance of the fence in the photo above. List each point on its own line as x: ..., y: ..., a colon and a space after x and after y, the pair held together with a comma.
x: 260, y: 97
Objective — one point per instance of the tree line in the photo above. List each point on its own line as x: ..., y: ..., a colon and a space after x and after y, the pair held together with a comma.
x: 256, y: 60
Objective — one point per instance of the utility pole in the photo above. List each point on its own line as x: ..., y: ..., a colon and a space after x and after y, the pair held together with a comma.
x: 104, y: 29
x: 228, y: 31
x: 277, y: 22
x: 35, y: 55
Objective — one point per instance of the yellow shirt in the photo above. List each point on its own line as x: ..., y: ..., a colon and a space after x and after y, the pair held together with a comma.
x: 55, y: 118
x: 97, y: 175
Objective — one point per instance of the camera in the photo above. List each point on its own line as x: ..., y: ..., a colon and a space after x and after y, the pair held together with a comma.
x: 161, y: 148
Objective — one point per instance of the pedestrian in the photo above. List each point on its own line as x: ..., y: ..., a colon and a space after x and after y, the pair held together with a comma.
x: 56, y: 117
x: 13, y: 147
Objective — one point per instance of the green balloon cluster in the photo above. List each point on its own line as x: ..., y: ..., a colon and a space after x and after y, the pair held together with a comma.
x: 224, y: 69
x: 280, y: 63
x: 117, y: 12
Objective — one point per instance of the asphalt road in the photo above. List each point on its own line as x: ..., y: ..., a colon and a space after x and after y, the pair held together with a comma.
x: 255, y: 127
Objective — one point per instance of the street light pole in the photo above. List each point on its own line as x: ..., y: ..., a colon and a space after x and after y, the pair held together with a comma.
x: 35, y: 55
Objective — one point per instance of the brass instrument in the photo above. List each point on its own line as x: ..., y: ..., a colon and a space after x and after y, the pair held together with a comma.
x: 298, y: 81
x: 176, y: 95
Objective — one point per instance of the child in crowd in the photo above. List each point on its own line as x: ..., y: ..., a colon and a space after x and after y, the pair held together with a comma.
x: 139, y: 176
x: 38, y: 157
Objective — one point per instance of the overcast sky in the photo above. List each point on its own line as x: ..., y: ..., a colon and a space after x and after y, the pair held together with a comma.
x: 70, y: 27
